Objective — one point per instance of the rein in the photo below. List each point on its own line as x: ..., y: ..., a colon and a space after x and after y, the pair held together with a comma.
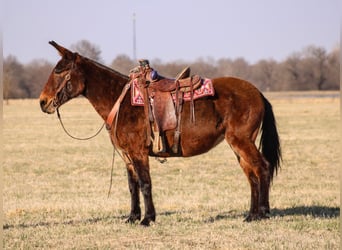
x: 114, y: 113
x: 88, y: 138
x: 74, y: 137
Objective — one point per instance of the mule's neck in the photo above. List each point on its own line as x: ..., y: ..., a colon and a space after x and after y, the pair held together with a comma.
x: 103, y: 86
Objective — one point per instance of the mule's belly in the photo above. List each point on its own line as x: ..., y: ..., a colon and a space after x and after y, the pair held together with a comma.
x: 200, y: 144
x: 205, y: 133
x: 199, y: 136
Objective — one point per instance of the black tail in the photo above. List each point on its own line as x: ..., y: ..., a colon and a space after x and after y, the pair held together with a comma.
x: 269, y: 142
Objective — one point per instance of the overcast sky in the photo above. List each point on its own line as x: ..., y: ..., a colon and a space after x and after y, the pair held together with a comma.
x: 171, y: 30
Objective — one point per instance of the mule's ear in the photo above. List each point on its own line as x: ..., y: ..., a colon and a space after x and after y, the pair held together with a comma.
x: 61, y: 50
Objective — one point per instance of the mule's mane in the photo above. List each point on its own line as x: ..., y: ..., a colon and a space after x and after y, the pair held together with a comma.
x: 102, y: 84
x: 104, y: 67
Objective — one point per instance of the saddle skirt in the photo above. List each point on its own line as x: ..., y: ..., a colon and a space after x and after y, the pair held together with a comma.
x: 206, y: 89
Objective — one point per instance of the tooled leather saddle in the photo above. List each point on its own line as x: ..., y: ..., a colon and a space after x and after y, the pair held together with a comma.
x: 164, y: 107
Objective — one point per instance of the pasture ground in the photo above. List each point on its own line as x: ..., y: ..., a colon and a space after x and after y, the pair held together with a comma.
x: 55, y: 188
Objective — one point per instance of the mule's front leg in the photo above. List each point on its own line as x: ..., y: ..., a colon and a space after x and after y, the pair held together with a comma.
x: 143, y: 170
x: 133, y: 184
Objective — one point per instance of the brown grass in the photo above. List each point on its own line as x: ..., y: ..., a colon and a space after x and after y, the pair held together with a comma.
x: 55, y: 188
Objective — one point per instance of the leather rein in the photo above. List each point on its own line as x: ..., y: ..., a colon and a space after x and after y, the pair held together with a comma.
x: 109, y: 122
x: 113, y: 113
x: 74, y: 137
x: 56, y: 103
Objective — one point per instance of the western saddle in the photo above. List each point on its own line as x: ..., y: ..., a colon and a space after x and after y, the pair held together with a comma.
x: 163, y: 101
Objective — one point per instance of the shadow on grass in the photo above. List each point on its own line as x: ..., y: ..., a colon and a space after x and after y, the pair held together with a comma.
x: 64, y: 223
x: 187, y: 215
x: 71, y: 222
x: 314, y: 211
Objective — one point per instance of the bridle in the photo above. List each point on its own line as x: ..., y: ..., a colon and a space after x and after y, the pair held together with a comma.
x: 66, y: 80
x: 114, y: 113
x: 57, y: 103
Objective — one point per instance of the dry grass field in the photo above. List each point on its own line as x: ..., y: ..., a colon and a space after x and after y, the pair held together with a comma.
x: 55, y: 188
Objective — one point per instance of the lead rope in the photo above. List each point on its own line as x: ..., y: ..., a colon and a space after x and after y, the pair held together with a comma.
x: 111, y: 174
x: 115, y: 149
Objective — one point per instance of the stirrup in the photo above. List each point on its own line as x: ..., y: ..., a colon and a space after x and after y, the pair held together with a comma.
x: 157, y: 143
x: 175, y: 145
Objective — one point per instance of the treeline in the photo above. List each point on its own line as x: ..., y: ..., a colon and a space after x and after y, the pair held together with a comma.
x: 313, y: 68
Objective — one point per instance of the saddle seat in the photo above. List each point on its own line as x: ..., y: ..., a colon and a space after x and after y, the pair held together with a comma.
x: 184, y: 82
x: 170, y: 85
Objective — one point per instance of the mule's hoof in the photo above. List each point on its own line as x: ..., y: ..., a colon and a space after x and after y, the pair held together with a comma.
x: 145, y: 222
x: 133, y: 218
x: 252, y: 217
x: 265, y: 216
x: 255, y: 217
x: 265, y: 210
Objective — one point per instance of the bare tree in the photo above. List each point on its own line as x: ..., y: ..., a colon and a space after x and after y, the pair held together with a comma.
x: 262, y: 74
x: 224, y: 67
x: 333, y: 69
x: 123, y: 64
x: 36, y: 74
x: 315, y: 65
x: 171, y: 69
x: 311, y: 68
x: 87, y: 49
x: 206, y: 68
x: 291, y: 77
x: 6, y: 81
x: 14, y: 80
x: 241, y: 68
x: 278, y: 78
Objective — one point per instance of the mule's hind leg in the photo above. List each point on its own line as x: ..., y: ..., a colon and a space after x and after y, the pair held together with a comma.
x: 265, y: 190
x: 254, y: 167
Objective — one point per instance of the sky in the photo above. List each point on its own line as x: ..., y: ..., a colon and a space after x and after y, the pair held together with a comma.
x: 177, y: 30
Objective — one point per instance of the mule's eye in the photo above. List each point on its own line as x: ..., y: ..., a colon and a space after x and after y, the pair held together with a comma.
x: 69, y: 86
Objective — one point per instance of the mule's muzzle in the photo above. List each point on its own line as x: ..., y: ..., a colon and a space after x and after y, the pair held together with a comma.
x: 46, y: 105
x: 42, y: 104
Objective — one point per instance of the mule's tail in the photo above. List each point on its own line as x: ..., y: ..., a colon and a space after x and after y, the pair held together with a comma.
x: 269, y: 141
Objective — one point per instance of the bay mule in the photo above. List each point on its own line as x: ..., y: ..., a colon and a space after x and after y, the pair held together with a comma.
x: 236, y: 113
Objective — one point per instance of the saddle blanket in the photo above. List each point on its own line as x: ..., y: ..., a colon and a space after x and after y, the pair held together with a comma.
x: 206, y: 89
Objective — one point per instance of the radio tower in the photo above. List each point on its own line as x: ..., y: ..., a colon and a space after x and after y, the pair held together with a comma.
x: 134, y: 40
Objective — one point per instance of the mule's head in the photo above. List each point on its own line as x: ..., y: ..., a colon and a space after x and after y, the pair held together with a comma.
x: 65, y: 82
